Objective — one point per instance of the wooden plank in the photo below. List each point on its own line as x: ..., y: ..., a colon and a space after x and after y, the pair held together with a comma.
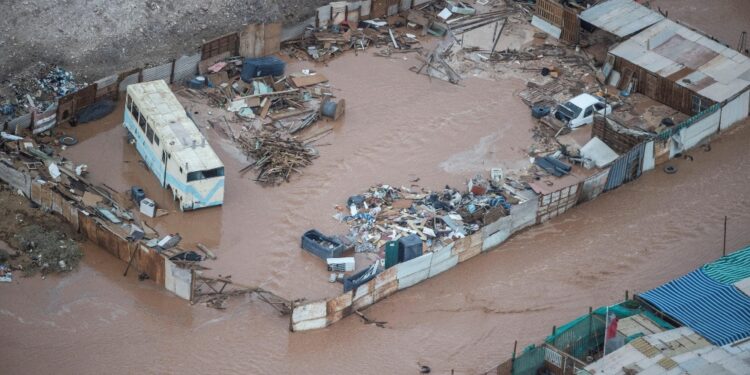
x: 309, y: 80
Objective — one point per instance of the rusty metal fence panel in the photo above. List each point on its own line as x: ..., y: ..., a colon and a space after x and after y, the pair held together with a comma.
x: 46, y: 120
x: 107, y: 87
x: 227, y: 43
x: 186, y: 67
x: 158, y: 72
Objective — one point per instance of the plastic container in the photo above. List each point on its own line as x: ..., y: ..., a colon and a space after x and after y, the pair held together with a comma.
x: 138, y: 194
x: 322, y: 246
x: 539, y: 111
x: 359, y: 278
x: 391, y: 254
x: 261, y: 67
x: 409, y: 247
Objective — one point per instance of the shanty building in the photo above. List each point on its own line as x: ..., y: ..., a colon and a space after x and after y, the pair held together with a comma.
x: 683, y: 69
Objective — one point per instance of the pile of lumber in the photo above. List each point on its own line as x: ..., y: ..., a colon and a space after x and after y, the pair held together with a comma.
x: 275, y: 158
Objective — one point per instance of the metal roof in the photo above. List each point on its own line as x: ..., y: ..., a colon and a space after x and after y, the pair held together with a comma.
x: 731, y: 268
x: 677, y: 351
x: 719, y: 312
x: 698, y: 63
x: 621, y: 17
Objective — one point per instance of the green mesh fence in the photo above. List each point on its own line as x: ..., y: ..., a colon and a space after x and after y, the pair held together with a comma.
x: 531, y: 360
x: 584, y: 336
x: 687, y: 123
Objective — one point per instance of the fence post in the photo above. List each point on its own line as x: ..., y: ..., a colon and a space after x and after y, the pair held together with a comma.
x: 513, y: 357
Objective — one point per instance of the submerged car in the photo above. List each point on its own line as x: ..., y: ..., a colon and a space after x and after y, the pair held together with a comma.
x: 580, y: 110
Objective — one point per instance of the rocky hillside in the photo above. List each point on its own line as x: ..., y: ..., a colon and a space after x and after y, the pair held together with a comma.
x: 94, y: 38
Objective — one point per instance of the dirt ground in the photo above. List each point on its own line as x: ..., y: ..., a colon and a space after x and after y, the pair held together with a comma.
x: 94, y: 39
x: 24, y: 226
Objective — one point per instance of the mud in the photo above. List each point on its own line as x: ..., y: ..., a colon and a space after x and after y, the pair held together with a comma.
x: 398, y: 127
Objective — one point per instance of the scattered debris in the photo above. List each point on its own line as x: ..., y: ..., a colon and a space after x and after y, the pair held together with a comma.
x: 275, y: 158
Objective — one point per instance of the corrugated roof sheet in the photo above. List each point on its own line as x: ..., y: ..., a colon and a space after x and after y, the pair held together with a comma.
x: 719, y: 312
x: 677, y: 351
x: 667, y: 47
x: 621, y: 17
x: 731, y: 268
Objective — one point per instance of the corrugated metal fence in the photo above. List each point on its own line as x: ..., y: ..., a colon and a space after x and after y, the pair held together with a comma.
x: 626, y: 168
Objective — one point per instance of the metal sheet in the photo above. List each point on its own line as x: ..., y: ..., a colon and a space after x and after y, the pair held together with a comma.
x: 442, y: 260
x: 547, y: 27
x: 499, y: 232
x: 309, y: 311
x: 735, y: 110
x: 649, y: 162
x: 158, y: 72
x: 413, y: 271
x: 524, y: 215
x: 626, y: 168
x: 186, y: 67
x: 700, y: 130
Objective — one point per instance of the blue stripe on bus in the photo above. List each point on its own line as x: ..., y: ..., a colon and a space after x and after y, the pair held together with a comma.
x: 157, y: 168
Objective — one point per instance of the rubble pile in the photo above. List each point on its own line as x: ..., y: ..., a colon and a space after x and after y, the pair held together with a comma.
x: 46, y: 251
x: 263, y: 109
x: 323, y: 45
x: 386, y: 213
x: 275, y: 157
x: 36, y: 88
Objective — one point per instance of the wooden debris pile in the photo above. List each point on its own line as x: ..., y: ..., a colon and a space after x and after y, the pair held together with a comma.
x: 275, y: 156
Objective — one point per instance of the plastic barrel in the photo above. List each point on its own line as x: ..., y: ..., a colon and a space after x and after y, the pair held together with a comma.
x: 329, y: 109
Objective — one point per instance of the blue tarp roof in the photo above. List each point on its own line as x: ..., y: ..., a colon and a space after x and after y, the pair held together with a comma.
x: 718, y: 312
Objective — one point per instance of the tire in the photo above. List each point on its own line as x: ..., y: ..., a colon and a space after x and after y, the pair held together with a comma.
x: 670, y: 169
x: 68, y: 140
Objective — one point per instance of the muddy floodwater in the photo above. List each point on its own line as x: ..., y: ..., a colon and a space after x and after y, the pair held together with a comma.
x: 398, y: 127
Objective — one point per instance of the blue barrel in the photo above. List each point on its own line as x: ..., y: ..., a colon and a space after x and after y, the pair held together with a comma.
x: 539, y: 111
x: 261, y: 67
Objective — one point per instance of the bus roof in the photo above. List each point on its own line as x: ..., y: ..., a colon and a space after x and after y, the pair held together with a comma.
x: 177, y: 133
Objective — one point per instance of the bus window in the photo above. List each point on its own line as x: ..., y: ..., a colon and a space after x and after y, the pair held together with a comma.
x: 156, y: 139
x: 202, y: 175
x: 134, y: 111
x: 142, y: 123
x: 149, y: 133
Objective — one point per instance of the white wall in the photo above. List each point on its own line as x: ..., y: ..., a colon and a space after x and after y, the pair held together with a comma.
x: 735, y: 111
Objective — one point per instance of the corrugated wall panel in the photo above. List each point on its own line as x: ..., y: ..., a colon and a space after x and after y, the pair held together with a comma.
x: 735, y: 110
x: 186, y: 67
x: 158, y: 72
x: 127, y: 81
x: 649, y: 161
x: 593, y: 186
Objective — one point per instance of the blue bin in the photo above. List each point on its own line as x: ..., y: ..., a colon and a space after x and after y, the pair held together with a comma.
x: 261, y: 67
x: 321, y: 245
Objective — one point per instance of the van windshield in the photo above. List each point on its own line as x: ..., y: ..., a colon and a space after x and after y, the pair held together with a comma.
x: 202, y: 175
x: 568, y: 111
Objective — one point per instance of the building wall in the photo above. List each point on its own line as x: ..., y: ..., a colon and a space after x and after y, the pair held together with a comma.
x: 661, y: 89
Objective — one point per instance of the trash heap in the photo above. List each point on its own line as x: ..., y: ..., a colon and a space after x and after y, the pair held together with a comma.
x: 37, y: 87
x: 265, y: 110
x: 387, y: 213
x: 323, y: 44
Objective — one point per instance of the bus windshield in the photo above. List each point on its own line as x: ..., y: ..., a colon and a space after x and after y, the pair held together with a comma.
x: 202, y: 175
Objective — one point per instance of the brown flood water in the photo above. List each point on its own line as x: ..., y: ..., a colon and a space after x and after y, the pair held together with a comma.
x: 398, y: 127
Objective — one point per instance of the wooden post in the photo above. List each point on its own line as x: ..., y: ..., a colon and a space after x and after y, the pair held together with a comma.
x: 724, y: 249
x: 626, y: 295
x: 513, y: 357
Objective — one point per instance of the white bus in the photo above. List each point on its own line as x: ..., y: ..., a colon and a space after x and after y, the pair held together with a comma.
x: 172, y: 147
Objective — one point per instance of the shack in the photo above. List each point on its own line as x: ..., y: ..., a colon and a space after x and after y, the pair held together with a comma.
x: 683, y: 69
